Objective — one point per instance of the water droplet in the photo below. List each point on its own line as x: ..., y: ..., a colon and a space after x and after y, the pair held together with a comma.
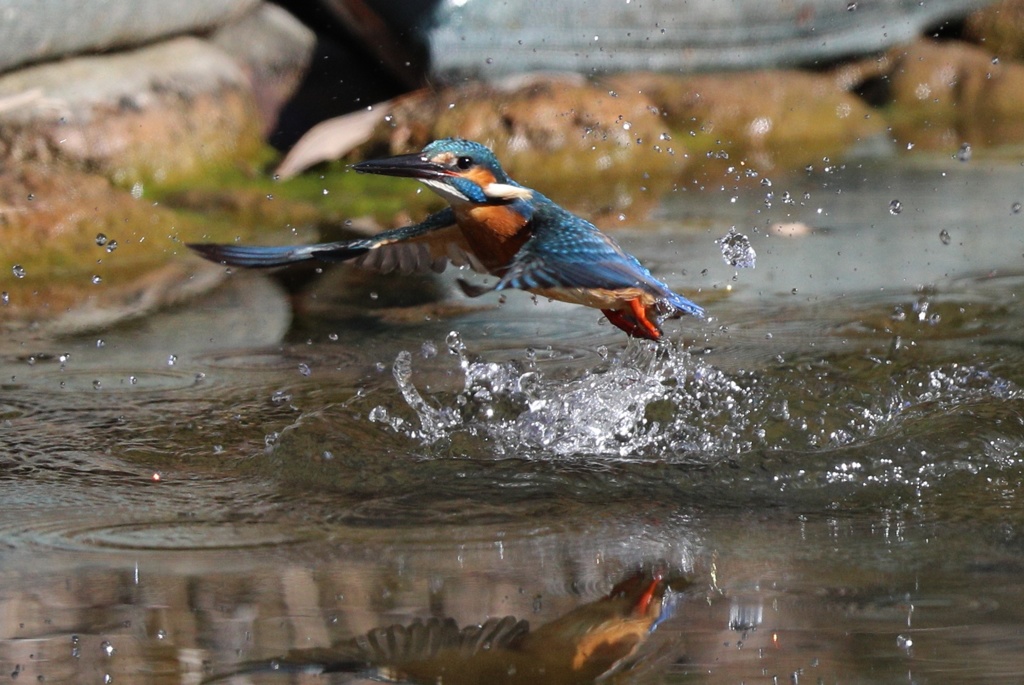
x: 18, y: 270
x: 280, y: 397
x: 1015, y: 208
x: 137, y: 190
x: 454, y: 342
x: 101, y: 239
x: 5, y: 297
x: 111, y: 246
x: 378, y: 415
x: 964, y: 153
x: 428, y: 349
x: 270, y: 196
x: 944, y: 237
x: 96, y: 280
x: 305, y: 370
x: 96, y: 385
x: 133, y: 380
x: 489, y: 60
x: 108, y: 649
x: 31, y: 197
x: 895, y: 207
x: 161, y: 634
x: 737, y: 250
x: 172, y: 359
x: 851, y: 7
x: 100, y: 343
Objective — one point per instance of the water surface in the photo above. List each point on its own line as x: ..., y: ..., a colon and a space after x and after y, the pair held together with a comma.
x: 833, y: 459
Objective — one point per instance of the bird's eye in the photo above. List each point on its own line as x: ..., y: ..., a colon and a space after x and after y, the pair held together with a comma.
x: 464, y: 162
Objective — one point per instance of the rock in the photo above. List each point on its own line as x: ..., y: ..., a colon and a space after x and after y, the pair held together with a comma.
x: 80, y: 253
x: 781, y: 118
x: 274, y: 51
x: 162, y: 112
x: 999, y: 28
x: 493, y: 39
x: 34, y: 31
x: 944, y: 94
x: 553, y: 133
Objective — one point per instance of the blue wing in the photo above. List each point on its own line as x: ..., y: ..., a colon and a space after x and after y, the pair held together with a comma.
x: 427, y: 246
x: 567, y: 252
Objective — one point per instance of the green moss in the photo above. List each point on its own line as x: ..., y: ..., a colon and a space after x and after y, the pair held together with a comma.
x: 331, y: 194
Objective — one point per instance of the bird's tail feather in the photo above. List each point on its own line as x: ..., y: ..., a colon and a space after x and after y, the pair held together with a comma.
x: 675, y: 305
x: 267, y: 256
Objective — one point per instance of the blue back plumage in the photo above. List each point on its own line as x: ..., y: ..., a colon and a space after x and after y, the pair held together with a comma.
x: 569, y: 252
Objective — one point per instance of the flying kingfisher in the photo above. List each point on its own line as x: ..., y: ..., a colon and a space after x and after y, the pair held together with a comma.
x: 495, y: 226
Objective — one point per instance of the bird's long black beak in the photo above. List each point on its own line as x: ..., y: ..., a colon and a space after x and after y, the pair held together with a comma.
x: 407, y: 166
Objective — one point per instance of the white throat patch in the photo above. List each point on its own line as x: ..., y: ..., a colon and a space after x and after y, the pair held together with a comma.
x: 494, y: 191
x: 446, y: 191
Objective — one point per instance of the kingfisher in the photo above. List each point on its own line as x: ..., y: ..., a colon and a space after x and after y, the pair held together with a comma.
x: 584, y: 646
x: 494, y: 226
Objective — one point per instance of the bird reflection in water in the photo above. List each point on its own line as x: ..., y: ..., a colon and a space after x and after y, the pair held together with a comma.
x: 590, y: 642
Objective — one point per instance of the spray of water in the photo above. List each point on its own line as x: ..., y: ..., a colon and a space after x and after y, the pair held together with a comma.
x: 660, y: 402
x: 641, y: 401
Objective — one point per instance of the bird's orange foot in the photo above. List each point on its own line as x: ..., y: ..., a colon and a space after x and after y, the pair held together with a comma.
x: 649, y: 595
x: 634, y: 321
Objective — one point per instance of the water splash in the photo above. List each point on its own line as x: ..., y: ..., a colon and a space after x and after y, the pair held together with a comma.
x: 737, y: 250
x: 642, y: 401
x: 662, y: 403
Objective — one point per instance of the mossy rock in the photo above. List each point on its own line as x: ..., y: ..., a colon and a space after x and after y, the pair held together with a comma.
x: 944, y: 94
x: 775, y: 119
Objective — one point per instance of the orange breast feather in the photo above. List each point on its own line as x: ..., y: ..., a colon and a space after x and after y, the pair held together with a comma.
x: 495, y: 232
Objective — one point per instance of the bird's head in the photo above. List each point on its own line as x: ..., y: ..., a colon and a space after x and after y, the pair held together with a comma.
x: 457, y: 170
